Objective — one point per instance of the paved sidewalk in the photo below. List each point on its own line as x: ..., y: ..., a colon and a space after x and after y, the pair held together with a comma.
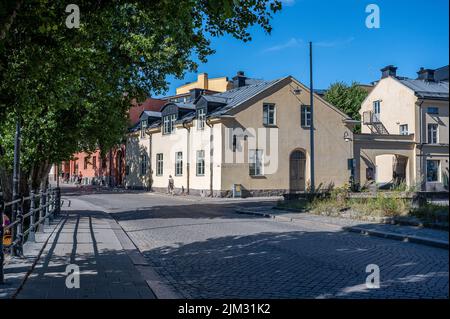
x: 420, y: 235
x: 86, y: 238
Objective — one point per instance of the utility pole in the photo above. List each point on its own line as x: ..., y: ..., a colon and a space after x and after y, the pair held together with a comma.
x: 311, y: 127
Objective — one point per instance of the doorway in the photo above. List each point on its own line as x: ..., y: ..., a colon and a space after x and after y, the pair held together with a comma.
x: 297, y: 168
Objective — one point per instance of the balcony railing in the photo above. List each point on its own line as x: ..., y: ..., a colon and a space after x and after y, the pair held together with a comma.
x: 370, y: 118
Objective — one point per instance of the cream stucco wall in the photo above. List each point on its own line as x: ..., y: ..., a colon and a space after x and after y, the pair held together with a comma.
x: 397, y: 105
x: 331, y: 150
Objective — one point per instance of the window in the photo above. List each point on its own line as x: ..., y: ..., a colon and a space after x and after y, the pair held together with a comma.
x: 433, y: 134
x: 256, y: 162
x: 404, y: 129
x: 234, y: 143
x: 200, y: 163
x: 377, y: 107
x: 168, y: 123
x: 104, y: 163
x: 144, y: 163
x: 159, y: 164
x: 433, y: 168
x: 86, y: 162
x: 269, y: 114
x: 178, y: 163
x: 94, y: 162
x: 201, y: 118
x: 143, y: 127
x: 306, y: 116
x: 433, y: 110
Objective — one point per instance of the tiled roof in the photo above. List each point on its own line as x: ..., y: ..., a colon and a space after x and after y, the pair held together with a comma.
x: 427, y: 89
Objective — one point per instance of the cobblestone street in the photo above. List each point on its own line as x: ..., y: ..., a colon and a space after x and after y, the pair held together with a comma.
x: 203, y: 249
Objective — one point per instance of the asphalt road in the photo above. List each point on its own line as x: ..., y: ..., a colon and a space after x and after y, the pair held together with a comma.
x: 204, y: 250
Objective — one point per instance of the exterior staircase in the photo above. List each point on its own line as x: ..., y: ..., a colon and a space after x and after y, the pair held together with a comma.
x: 372, y: 121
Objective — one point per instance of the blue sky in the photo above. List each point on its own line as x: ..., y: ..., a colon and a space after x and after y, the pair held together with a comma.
x: 412, y: 34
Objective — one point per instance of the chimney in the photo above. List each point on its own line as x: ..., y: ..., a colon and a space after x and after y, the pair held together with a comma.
x: 239, y: 80
x: 202, y: 81
x: 425, y: 74
x: 388, y: 71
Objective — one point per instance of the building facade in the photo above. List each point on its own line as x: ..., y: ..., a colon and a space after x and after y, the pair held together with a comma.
x: 405, y: 131
x: 252, y: 140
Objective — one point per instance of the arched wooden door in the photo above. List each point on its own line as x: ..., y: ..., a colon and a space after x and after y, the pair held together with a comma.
x: 297, y: 170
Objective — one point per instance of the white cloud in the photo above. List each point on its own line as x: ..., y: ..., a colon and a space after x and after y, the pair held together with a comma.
x: 334, y: 43
x: 292, y: 43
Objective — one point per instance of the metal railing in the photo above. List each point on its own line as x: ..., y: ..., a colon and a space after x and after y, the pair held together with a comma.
x: 370, y: 117
x: 41, y: 209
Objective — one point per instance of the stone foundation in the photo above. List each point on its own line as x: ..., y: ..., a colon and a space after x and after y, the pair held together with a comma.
x: 225, y: 193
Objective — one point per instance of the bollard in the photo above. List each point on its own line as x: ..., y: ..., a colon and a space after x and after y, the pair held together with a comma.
x: 31, y: 234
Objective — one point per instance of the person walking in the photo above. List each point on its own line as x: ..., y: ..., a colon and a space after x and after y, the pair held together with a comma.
x: 171, y: 185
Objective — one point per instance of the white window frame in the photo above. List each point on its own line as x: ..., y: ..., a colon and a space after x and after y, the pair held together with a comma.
x: 376, y: 107
x: 201, y: 118
x: 433, y: 133
x: 159, y: 164
x: 143, y: 127
x: 256, y: 162
x: 169, y: 123
x: 438, y: 173
x: 200, y: 163
x: 179, y: 164
x: 144, y: 164
x: 305, y: 115
x: 402, y: 129
x: 269, y: 114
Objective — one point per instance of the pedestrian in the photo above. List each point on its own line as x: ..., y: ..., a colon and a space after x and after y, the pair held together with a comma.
x: 171, y: 185
x: 7, y: 239
x: 80, y: 179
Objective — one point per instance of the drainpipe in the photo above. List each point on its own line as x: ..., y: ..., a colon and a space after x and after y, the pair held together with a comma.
x: 188, y: 157
x: 211, y: 138
x: 150, y: 180
x: 421, y: 162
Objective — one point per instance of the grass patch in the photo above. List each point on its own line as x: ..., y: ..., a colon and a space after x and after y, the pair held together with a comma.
x: 382, y: 205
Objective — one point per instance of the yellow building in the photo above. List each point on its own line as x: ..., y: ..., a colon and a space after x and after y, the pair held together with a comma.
x: 204, y: 83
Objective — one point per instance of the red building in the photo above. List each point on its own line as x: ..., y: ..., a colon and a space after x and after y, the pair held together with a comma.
x: 109, y: 169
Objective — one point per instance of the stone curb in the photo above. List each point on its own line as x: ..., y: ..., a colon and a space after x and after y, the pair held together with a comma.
x: 402, y: 237
x: 370, y: 232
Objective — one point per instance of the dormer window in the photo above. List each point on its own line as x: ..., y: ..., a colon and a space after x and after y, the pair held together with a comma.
x: 201, y: 118
x: 143, y: 127
x: 169, y: 123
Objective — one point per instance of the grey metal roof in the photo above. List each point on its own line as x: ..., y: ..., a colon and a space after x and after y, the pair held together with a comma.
x: 427, y: 89
x: 237, y: 96
x: 152, y: 113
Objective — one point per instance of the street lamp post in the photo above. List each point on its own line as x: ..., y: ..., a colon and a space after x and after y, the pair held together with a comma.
x: 17, y: 231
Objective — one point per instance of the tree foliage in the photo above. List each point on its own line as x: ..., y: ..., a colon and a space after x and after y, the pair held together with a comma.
x: 348, y: 98
x: 71, y: 88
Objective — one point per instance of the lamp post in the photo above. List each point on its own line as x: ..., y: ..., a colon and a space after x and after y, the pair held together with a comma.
x: 311, y: 127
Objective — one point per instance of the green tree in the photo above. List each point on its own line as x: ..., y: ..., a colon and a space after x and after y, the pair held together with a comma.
x: 347, y: 98
x: 71, y: 88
